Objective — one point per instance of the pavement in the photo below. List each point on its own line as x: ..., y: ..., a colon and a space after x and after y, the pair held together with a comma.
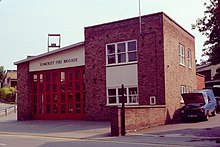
x: 54, y: 128
x: 100, y: 130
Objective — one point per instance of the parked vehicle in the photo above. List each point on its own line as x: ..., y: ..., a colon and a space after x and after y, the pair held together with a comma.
x: 198, y: 105
x: 216, y: 90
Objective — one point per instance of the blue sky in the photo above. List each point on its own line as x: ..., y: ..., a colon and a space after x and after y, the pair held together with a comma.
x: 25, y: 24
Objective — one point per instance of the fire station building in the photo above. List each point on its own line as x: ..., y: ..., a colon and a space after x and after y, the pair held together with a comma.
x: 154, y: 60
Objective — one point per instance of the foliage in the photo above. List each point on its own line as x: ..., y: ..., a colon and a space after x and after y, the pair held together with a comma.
x: 209, y: 26
x: 7, y: 94
x: 2, y: 73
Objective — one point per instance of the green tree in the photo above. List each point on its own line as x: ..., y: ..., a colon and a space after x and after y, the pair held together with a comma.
x: 209, y: 26
x: 2, y: 75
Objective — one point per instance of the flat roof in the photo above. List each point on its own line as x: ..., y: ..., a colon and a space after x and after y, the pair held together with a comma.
x: 149, y: 15
x: 31, y: 58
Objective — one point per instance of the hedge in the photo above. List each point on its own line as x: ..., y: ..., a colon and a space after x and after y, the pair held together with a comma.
x: 7, y: 94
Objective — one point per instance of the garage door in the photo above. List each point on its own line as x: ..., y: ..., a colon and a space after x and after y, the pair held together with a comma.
x: 58, y: 94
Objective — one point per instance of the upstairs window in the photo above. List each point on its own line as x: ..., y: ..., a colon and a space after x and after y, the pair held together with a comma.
x: 181, y: 54
x: 121, y: 52
x: 189, y: 56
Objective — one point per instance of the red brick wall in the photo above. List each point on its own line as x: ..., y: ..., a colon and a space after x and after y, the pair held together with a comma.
x: 200, y: 79
x: 137, y: 118
x: 24, y: 92
x: 176, y: 74
x: 150, y: 61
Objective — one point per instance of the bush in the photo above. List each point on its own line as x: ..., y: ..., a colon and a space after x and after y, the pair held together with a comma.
x: 7, y: 94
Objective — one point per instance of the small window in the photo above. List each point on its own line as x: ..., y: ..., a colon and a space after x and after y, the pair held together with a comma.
x: 133, y: 96
x: 121, y: 52
x: 111, y: 54
x: 35, y: 78
x: 153, y: 100
x: 182, y: 90
x: 189, y: 55
x: 41, y: 77
x: 111, y: 96
x: 132, y: 51
x: 181, y: 54
x: 62, y: 76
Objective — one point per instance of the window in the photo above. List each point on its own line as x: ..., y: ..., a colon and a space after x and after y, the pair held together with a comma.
x: 114, y: 96
x: 182, y: 90
x: 153, y: 100
x: 181, y: 54
x: 189, y: 56
x: 122, y: 52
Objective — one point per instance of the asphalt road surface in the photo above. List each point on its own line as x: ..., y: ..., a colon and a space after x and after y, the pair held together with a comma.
x: 80, y: 134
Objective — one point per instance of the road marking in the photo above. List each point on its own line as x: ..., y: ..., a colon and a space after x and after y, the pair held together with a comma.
x: 2, y: 144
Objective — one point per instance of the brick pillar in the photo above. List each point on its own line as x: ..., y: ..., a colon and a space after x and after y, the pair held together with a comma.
x: 24, y: 89
x: 115, y: 121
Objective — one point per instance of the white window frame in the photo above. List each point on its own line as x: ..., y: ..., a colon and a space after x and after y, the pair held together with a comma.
x: 116, y: 54
x: 152, y: 100
x: 129, y: 97
x: 182, y: 90
x: 189, y: 56
x: 181, y: 54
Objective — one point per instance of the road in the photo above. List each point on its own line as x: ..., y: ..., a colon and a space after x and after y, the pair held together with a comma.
x: 36, y: 141
x: 83, y: 134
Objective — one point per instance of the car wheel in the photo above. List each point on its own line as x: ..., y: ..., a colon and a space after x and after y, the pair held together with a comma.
x: 214, y: 112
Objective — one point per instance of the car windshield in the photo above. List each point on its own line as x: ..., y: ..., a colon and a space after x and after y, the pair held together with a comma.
x: 190, y: 98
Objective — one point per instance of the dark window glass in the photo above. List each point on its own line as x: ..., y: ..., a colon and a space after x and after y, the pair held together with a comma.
x: 77, y: 86
x: 120, y: 91
x: 35, y: 99
x: 111, y: 49
x: 62, y: 86
x: 121, y: 58
x: 54, y: 77
x: 47, y: 88
x: 70, y: 75
x: 70, y: 86
x: 77, y: 97
x: 111, y: 59
x: 132, y: 56
x: 55, y: 98
x: 77, y: 75
x: 112, y: 100
x: 54, y: 87
x: 70, y: 97
x: 62, y: 97
x: 48, y: 109
x: 48, y: 98
x: 35, y: 109
x: 120, y: 99
x: 47, y: 76
x: 35, y: 88
x: 70, y: 108
x: 55, y: 108
x: 63, y: 107
x: 77, y: 108
x: 132, y: 46
x: 120, y: 47
x: 41, y: 88
x: 111, y: 92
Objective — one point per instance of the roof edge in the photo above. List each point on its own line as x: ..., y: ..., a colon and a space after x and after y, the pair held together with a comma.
x: 49, y: 53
